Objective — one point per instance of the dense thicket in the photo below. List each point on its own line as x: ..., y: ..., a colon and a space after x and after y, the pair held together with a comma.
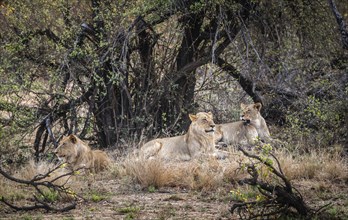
x: 125, y: 70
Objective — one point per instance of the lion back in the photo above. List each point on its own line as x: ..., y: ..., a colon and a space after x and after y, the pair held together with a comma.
x: 171, y: 148
x: 101, y: 160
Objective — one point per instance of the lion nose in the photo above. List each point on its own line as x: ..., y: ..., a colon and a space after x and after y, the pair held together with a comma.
x: 212, y: 125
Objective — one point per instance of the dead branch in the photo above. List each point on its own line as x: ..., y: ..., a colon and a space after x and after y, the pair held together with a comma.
x: 39, y: 184
x: 279, y: 195
x: 41, y: 205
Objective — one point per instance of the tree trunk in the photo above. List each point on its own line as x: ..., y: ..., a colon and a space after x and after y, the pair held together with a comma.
x: 341, y: 24
x: 180, y: 101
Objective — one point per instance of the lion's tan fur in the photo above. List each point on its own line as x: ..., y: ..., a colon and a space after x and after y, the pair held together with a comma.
x: 198, y: 140
x: 252, y: 127
x: 235, y: 133
x: 251, y: 114
x: 78, y: 154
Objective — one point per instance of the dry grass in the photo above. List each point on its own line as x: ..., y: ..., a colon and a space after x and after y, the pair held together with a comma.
x: 200, y: 174
x: 312, y: 173
x: 32, y: 169
x: 210, y: 174
x: 196, y: 174
x: 322, y: 165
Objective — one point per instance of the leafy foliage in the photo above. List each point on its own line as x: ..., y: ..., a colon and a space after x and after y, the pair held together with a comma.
x: 113, y: 71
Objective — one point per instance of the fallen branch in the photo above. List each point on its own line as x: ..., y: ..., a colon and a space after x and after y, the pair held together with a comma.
x: 41, y: 205
x: 39, y: 183
x: 279, y: 196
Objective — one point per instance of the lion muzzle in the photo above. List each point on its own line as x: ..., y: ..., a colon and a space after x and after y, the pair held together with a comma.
x: 212, y: 129
x: 245, y: 120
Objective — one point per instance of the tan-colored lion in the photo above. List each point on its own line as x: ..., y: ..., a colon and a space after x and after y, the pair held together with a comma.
x: 78, y: 154
x: 252, y: 127
x: 198, y: 140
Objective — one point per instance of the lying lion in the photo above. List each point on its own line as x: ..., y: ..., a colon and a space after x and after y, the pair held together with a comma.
x: 246, y: 132
x: 78, y: 154
x: 198, y: 140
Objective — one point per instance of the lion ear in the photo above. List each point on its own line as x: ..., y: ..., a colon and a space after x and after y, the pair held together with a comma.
x: 193, y: 117
x: 73, y: 138
x: 210, y: 114
x: 242, y: 106
x: 258, y: 106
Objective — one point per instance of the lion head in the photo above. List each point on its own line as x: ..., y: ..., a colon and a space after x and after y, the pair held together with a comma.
x: 70, y: 149
x: 250, y: 112
x: 202, y: 123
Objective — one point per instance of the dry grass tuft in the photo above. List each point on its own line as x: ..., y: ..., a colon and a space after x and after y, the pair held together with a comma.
x: 209, y: 173
x: 200, y: 174
x: 316, y: 165
x: 149, y: 173
x: 32, y: 169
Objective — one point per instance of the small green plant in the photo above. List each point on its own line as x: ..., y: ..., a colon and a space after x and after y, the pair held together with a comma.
x: 248, y: 195
x: 151, y: 189
x: 333, y: 212
x: 27, y: 217
x: 97, y: 197
x: 130, y: 216
x: 129, y: 211
x: 50, y: 195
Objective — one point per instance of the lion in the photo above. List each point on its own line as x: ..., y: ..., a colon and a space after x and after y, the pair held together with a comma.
x: 198, y: 140
x: 78, y: 154
x: 248, y: 131
x: 251, y: 115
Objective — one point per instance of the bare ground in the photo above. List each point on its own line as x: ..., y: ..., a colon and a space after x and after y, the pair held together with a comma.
x: 122, y: 202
